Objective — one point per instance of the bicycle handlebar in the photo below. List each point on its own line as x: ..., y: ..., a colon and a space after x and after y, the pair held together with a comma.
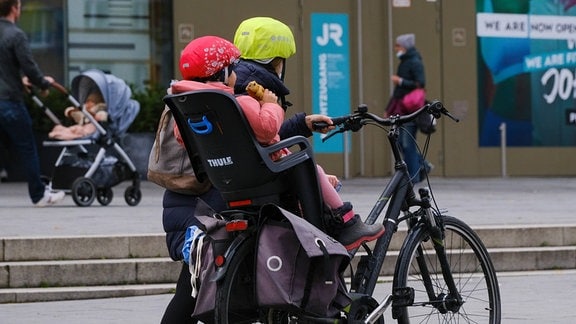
x: 355, y: 121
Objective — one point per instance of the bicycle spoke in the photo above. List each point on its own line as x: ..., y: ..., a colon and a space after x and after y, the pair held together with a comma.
x: 477, y: 299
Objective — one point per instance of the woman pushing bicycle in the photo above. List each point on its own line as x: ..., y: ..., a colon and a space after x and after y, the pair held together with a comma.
x: 178, y: 212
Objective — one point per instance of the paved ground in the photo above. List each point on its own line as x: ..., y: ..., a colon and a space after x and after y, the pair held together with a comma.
x: 527, y: 298
x: 485, y: 201
x: 543, y: 297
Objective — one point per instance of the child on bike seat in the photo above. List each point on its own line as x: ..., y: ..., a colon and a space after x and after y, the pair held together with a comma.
x: 206, y: 63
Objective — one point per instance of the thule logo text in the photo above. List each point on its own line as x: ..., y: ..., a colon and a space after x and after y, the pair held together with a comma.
x: 220, y: 161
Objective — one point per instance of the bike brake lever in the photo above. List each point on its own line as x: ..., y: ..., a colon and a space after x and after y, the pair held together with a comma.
x: 450, y: 116
x: 339, y: 130
x: 437, y: 108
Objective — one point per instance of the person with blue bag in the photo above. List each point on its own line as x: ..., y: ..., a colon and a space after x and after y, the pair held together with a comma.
x: 179, y: 208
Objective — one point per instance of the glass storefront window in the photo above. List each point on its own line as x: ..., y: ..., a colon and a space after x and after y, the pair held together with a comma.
x: 128, y: 38
x: 44, y: 24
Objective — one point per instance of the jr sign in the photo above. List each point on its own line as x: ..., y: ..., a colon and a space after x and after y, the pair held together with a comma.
x: 330, y: 72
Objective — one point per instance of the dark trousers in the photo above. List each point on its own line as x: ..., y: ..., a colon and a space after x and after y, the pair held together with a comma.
x: 16, y: 124
x: 180, y: 308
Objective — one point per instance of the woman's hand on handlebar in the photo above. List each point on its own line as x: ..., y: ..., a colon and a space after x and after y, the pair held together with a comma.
x: 28, y: 86
x: 319, y: 123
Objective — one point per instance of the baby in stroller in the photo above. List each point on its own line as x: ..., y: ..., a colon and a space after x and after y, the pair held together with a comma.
x: 92, y: 161
x: 95, y: 106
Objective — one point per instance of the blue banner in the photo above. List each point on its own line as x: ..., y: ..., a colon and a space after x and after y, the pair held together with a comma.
x: 330, y: 73
x: 526, y: 72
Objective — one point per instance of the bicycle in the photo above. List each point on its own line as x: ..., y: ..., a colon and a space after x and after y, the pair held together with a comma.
x: 443, y: 273
x: 443, y: 270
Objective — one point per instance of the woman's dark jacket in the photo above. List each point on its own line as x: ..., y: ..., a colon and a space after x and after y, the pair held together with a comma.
x: 411, y: 70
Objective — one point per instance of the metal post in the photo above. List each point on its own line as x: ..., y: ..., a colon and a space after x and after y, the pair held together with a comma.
x: 503, y: 148
x: 360, y: 86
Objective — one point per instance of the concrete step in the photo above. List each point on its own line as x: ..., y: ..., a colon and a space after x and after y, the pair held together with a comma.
x: 82, y: 247
x: 30, y: 295
x: 62, y: 268
x: 507, y: 259
x: 23, y: 274
x: 154, y: 245
x: 36, y: 269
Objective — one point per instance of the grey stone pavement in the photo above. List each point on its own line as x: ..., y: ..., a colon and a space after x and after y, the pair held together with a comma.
x: 534, y: 297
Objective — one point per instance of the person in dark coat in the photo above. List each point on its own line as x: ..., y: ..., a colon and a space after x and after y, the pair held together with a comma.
x: 18, y: 70
x: 409, y: 76
x: 178, y: 209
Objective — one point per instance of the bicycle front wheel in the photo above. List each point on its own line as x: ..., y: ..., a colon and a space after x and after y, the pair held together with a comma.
x: 418, y: 267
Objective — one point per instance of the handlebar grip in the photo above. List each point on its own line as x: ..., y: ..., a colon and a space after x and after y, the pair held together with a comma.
x: 335, y: 122
x: 59, y: 87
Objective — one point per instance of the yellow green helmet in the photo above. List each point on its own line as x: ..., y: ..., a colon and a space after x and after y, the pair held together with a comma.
x: 264, y: 38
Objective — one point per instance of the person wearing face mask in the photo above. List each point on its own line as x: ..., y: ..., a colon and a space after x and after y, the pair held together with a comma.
x: 409, y: 76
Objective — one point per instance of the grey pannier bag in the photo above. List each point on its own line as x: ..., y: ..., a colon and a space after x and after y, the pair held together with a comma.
x: 298, y: 266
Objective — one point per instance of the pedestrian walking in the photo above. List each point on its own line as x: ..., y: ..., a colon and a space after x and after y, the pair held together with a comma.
x: 17, y: 67
x: 409, y: 76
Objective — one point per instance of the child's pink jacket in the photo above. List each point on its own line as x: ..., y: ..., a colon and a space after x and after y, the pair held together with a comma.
x: 265, y: 120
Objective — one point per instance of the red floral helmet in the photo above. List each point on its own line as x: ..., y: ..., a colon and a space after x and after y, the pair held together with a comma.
x: 206, y: 56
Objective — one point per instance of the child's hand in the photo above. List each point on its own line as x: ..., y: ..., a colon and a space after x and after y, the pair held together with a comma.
x: 269, y: 97
x: 76, y: 115
x: 332, y: 179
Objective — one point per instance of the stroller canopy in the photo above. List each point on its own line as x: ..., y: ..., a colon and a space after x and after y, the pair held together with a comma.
x: 122, y: 110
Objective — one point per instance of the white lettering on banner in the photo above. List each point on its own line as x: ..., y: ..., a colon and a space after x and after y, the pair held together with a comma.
x: 323, y: 84
x: 525, y: 26
x: 563, y: 84
x: 330, y: 31
x: 549, y: 60
x: 219, y: 162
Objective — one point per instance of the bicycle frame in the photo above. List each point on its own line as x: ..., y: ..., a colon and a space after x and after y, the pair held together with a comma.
x: 399, y: 192
x: 400, y: 196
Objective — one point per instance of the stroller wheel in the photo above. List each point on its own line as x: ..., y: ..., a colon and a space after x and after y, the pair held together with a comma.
x: 104, y: 196
x: 83, y: 191
x: 132, y: 195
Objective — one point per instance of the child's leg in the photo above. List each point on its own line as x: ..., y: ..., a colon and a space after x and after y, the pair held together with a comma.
x: 352, y: 231
x: 330, y: 195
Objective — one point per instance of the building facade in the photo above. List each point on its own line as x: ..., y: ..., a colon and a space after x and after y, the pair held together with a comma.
x: 505, y: 68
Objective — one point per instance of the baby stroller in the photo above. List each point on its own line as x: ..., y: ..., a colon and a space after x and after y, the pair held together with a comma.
x: 88, y: 167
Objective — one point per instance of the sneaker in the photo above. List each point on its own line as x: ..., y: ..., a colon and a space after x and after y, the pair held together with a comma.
x: 355, y: 232
x: 3, y: 175
x: 428, y: 166
x: 50, y: 198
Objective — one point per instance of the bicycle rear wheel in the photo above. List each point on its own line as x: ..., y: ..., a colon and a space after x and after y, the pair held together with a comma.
x: 419, y: 268
x: 235, y: 295
x: 235, y: 300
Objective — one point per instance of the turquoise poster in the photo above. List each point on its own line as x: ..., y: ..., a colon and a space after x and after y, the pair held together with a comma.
x: 330, y: 58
